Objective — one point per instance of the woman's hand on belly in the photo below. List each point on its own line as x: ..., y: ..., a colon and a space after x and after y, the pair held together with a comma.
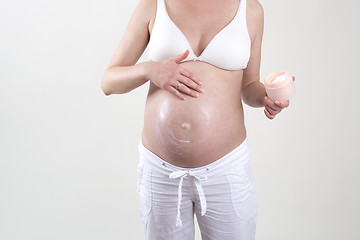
x: 167, y: 74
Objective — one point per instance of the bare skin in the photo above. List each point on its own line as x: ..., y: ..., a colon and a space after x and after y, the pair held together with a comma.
x: 203, y: 119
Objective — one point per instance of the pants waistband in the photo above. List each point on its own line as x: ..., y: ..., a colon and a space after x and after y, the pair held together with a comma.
x: 237, y: 156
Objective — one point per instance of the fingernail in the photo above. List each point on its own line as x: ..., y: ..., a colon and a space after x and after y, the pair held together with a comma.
x: 201, y: 90
x: 196, y: 94
x: 277, y: 102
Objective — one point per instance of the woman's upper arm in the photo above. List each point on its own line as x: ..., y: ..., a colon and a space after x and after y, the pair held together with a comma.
x: 136, y: 36
x: 256, y: 16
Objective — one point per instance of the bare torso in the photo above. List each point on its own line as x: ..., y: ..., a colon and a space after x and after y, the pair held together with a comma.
x: 197, y: 131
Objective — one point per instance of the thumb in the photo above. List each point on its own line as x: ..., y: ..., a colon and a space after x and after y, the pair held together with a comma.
x: 181, y: 56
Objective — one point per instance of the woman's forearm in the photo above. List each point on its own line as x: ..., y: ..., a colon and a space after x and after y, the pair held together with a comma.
x: 253, y: 95
x: 123, y: 79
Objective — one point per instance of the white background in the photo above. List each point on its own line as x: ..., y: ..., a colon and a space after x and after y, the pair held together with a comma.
x: 68, y: 153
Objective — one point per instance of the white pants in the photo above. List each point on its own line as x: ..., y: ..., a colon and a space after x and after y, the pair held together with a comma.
x: 221, y: 194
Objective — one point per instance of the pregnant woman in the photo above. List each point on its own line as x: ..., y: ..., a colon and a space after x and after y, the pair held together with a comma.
x: 194, y: 153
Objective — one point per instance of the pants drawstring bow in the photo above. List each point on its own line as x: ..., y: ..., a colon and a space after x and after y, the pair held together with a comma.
x: 197, y: 179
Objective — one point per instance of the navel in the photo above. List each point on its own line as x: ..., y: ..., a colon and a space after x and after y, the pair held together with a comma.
x: 185, y: 126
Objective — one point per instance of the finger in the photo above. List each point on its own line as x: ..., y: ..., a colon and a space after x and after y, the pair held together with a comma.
x: 183, y: 88
x: 268, y: 114
x: 172, y: 90
x: 282, y: 104
x: 189, y: 74
x: 271, y: 104
x: 293, y: 78
x: 189, y: 83
x: 181, y: 56
x: 271, y: 111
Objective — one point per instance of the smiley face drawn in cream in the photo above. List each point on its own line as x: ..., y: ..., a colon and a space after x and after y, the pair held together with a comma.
x: 179, y: 139
x: 179, y: 125
x: 169, y: 131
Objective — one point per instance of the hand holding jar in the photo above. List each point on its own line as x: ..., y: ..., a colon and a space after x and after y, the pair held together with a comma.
x: 279, y: 88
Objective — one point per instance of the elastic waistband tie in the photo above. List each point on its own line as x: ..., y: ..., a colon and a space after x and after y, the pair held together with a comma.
x: 197, y: 179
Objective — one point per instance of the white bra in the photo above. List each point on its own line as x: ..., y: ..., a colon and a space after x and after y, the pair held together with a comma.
x: 228, y: 49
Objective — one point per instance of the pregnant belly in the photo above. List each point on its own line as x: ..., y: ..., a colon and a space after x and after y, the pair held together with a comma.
x: 195, y: 131
x: 182, y: 125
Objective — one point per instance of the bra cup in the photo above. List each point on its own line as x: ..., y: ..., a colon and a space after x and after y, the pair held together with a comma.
x: 230, y: 50
x: 165, y: 41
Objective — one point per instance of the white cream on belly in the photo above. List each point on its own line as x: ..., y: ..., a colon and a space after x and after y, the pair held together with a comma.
x: 177, y: 126
x: 183, y: 133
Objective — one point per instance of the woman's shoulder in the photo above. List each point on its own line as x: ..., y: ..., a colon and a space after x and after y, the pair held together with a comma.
x: 146, y: 7
x: 255, y: 9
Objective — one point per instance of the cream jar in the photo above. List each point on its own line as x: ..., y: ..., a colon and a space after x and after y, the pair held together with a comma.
x: 279, y: 86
